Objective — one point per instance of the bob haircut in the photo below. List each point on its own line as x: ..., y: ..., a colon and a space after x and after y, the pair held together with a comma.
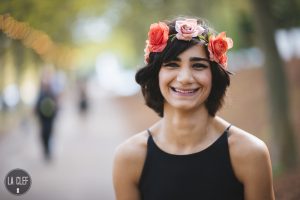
x: 147, y: 77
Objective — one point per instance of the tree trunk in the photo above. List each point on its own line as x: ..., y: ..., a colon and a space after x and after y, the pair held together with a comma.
x: 281, y: 127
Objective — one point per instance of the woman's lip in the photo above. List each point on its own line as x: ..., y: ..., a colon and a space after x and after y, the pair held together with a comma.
x: 184, y: 91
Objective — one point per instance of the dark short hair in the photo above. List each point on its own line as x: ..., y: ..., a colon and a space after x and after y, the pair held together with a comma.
x: 147, y: 77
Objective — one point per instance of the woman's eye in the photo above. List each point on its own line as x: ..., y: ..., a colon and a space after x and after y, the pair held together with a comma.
x: 171, y: 65
x: 199, y: 66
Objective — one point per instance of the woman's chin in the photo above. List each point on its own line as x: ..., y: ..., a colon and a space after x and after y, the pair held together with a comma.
x: 184, y: 106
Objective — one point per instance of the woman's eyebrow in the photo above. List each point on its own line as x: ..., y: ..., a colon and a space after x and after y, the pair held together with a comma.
x: 173, y: 60
x: 176, y: 59
x: 193, y: 59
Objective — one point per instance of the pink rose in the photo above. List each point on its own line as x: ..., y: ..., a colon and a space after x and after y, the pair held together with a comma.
x: 187, y: 29
x: 218, y: 46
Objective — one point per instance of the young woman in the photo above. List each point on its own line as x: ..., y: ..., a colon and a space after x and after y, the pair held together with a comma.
x: 190, y: 153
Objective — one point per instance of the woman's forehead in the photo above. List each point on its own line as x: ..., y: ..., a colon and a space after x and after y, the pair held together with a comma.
x: 196, y: 51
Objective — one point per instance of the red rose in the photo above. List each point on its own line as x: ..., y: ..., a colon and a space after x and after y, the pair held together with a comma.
x: 218, y: 47
x: 147, y: 52
x: 158, y: 36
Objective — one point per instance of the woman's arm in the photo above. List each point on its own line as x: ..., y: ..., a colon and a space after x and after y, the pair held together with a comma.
x: 252, y: 165
x: 128, y: 164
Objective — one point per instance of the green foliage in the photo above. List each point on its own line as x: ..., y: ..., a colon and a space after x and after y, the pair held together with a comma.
x: 54, y: 17
x: 286, y: 13
x: 57, y: 18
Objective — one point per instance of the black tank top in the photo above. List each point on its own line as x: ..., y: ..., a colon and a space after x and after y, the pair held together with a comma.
x: 205, y: 175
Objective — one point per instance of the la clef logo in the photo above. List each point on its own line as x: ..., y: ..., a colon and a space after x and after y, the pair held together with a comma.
x: 17, y: 181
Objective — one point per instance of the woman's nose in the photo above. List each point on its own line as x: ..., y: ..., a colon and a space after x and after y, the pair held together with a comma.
x: 185, y: 75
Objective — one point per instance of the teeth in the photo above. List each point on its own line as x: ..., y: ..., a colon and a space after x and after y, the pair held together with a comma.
x: 183, y: 91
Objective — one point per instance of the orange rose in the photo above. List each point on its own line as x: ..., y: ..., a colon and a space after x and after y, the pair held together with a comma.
x: 158, y: 36
x: 218, y: 46
x: 147, y: 52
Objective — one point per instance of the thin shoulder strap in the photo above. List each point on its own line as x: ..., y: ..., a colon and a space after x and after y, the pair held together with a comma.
x: 149, y: 132
x: 227, y: 129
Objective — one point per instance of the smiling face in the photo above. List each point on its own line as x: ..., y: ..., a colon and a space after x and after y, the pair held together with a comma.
x: 186, y: 81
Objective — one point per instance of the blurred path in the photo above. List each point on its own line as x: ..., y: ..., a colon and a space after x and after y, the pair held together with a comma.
x: 82, y: 155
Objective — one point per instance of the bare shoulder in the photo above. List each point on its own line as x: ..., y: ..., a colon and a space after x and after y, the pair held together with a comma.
x: 243, y: 143
x: 130, y: 155
x: 128, y: 164
x: 247, y: 152
x: 134, y: 147
x: 251, y: 164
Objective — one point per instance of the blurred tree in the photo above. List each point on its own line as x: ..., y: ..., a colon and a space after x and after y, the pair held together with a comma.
x: 245, y: 26
x: 286, y: 13
x: 276, y: 80
x: 2, y: 61
x: 19, y: 52
x: 54, y: 17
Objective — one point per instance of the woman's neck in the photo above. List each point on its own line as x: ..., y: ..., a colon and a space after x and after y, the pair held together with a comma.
x: 185, y: 128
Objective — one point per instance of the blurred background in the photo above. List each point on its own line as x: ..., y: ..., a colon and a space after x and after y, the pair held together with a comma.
x: 68, y: 95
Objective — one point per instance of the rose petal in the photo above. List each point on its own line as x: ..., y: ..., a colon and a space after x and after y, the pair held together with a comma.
x: 200, y: 30
x: 158, y: 36
x: 229, y: 43
x: 222, y: 35
x: 186, y: 29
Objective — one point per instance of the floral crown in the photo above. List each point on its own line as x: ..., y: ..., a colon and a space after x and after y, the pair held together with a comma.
x: 188, y: 29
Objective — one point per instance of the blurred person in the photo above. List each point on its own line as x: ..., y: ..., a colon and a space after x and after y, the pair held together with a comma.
x: 83, y: 98
x: 190, y: 153
x: 46, y: 109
